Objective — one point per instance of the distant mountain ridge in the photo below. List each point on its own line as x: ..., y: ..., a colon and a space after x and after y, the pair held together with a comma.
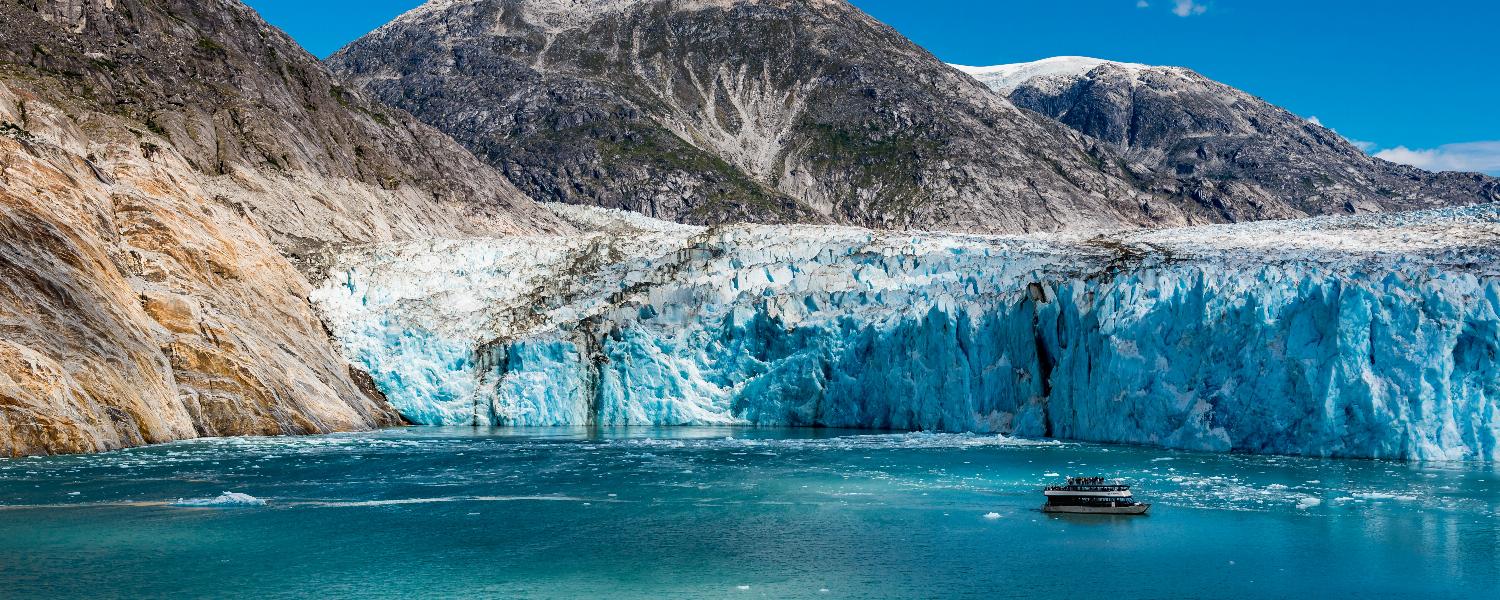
x: 1226, y: 146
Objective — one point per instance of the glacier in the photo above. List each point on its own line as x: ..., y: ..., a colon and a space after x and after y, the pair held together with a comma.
x: 1360, y: 336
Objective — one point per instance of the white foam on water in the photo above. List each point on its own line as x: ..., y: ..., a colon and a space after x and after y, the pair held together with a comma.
x: 445, y: 499
x: 893, y: 441
x: 1383, y: 496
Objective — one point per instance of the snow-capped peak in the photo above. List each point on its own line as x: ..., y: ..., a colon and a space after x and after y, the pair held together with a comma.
x: 1006, y: 78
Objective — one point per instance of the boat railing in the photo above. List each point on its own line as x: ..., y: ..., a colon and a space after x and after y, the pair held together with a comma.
x: 1090, y: 488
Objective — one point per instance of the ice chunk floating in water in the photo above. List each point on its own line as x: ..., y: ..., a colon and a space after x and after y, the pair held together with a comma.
x: 1371, y: 336
x: 224, y: 500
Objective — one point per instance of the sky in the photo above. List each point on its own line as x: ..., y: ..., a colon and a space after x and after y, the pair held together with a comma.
x: 1414, y: 82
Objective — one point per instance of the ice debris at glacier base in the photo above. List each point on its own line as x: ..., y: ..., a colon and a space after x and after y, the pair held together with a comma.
x: 1371, y: 336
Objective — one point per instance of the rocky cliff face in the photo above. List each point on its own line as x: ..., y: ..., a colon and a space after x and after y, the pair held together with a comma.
x: 722, y: 110
x: 1235, y: 152
x: 165, y: 169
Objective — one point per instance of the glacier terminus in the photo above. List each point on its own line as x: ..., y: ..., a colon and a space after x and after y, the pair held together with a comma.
x: 1361, y: 336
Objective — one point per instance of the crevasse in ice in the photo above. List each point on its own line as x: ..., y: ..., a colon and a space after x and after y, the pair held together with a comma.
x: 1361, y: 336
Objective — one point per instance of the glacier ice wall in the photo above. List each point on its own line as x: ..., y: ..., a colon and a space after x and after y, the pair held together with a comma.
x: 1373, y: 336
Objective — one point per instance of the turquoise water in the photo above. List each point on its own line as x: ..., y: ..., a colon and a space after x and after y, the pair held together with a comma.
x: 728, y: 513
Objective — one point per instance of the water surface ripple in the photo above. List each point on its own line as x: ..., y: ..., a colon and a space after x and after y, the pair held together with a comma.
x: 728, y: 513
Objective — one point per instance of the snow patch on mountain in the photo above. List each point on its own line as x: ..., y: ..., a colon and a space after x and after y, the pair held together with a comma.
x: 1006, y: 78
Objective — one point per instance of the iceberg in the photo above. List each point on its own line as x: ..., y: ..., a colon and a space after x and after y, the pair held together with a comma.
x: 1364, y: 336
x: 224, y: 500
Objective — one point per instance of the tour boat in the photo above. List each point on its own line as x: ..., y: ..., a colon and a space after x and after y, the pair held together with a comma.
x: 1092, y: 495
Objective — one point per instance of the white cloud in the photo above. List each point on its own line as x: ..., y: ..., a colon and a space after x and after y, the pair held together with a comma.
x: 1188, y: 8
x: 1363, y: 146
x: 1470, y: 156
x: 1142, y: 4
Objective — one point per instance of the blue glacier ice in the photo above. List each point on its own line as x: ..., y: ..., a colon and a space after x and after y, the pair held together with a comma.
x: 1359, y: 336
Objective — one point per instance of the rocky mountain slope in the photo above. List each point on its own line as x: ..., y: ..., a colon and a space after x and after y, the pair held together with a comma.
x: 1246, y: 157
x: 170, y: 173
x: 707, y: 111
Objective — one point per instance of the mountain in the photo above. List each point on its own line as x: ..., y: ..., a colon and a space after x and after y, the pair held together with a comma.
x: 708, y: 111
x: 1249, y: 159
x: 203, y: 232
x: 172, y: 173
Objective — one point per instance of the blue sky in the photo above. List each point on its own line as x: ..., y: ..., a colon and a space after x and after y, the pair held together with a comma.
x: 1417, y: 82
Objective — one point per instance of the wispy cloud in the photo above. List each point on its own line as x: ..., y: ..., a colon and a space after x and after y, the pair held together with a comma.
x: 1187, y: 8
x: 1362, y: 145
x: 1142, y: 4
x: 1483, y: 157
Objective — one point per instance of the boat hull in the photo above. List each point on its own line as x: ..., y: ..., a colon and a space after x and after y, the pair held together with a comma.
x: 1135, y: 509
